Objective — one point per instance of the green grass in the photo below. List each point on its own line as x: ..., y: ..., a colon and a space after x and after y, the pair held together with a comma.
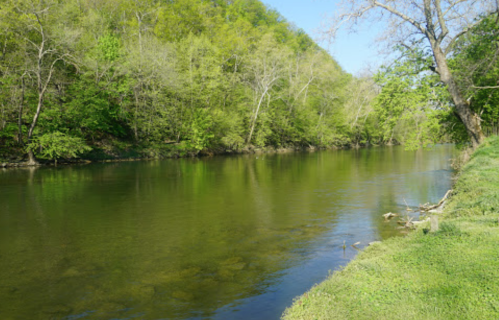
x: 450, y: 274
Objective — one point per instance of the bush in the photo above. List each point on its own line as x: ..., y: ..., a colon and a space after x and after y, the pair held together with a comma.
x: 57, y: 145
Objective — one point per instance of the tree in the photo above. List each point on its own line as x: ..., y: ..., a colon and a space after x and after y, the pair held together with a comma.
x: 44, y: 52
x: 361, y: 93
x: 476, y: 66
x: 265, y: 68
x: 410, y: 105
x: 58, y: 145
x: 437, y: 23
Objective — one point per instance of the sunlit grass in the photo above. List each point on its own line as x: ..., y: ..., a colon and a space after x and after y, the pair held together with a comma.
x: 449, y: 274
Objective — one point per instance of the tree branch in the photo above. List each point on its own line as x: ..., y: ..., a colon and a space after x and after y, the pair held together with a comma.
x: 441, y: 21
x: 401, y: 15
x: 465, y: 31
x: 485, y: 87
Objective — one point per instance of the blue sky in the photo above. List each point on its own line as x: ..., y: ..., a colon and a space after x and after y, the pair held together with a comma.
x: 354, y: 52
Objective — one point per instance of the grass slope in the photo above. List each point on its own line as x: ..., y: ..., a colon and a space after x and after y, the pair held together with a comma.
x: 450, y: 274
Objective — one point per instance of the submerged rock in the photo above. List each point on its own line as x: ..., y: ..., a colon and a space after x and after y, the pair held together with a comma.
x: 143, y: 292
x: 57, y: 309
x: 71, y: 272
x: 182, y: 295
x: 111, y: 307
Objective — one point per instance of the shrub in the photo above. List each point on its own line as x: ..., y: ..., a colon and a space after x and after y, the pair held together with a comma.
x: 57, y: 145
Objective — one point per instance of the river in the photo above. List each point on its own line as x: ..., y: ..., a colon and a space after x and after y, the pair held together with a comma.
x: 234, y: 237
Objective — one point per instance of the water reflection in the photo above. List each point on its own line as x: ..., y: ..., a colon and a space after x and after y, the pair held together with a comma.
x: 222, y: 238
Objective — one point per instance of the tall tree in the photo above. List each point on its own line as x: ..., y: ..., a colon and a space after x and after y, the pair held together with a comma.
x: 265, y: 68
x: 43, y: 50
x: 437, y: 23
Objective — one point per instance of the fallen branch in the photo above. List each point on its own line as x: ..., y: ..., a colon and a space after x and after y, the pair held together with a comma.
x: 441, y: 202
x: 407, y: 222
x: 407, y: 209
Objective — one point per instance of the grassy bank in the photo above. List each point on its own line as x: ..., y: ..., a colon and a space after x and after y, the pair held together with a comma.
x: 450, y: 274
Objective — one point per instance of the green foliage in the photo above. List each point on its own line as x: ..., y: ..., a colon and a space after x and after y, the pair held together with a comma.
x: 8, y: 137
x: 449, y: 229
x: 476, y: 67
x: 201, y: 134
x: 109, y: 46
x: 411, y: 102
x: 57, y: 145
x: 182, y: 76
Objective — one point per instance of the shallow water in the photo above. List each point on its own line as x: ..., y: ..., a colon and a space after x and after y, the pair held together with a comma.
x: 211, y: 238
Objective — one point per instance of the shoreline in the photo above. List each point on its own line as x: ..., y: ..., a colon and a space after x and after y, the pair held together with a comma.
x: 204, y: 153
x: 447, y: 274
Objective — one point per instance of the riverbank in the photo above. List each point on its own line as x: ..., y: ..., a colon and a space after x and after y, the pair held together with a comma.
x: 450, y: 274
x: 140, y: 154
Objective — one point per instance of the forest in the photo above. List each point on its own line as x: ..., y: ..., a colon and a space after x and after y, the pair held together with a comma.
x: 166, y: 78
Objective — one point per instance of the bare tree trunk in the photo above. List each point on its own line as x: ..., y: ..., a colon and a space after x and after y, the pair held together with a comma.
x: 135, y: 128
x: 469, y: 118
x: 42, y: 84
x: 256, y: 115
x: 31, y: 157
x: 20, y: 119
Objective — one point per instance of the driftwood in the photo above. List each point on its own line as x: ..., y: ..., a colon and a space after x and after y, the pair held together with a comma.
x: 427, y: 207
x: 407, y: 209
x: 390, y: 215
x: 406, y: 222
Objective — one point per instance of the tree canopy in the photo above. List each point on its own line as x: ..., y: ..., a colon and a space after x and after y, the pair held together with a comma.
x: 433, y: 24
x: 149, y: 78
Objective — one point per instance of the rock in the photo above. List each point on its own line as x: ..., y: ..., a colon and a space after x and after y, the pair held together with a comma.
x: 190, y: 272
x: 434, y: 224
x: 182, y: 295
x: 143, y: 292
x: 111, y: 307
x: 235, y: 263
x: 57, y: 309
x: 71, y: 272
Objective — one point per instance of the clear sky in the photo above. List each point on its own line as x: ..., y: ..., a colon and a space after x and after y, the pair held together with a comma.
x: 354, y: 52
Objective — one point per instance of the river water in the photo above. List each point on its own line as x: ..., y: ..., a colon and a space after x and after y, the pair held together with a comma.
x: 211, y: 238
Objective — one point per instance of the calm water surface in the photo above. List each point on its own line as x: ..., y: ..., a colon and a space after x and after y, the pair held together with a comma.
x: 213, y: 238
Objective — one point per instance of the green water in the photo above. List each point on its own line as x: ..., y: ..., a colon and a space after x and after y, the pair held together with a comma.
x: 211, y: 238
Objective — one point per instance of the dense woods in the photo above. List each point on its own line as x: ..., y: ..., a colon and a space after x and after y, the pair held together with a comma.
x: 153, y: 78
x: 164, y: 77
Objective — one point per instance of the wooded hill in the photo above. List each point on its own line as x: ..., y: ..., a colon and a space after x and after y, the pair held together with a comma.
x: 120, y: 78
x: 165, y: 77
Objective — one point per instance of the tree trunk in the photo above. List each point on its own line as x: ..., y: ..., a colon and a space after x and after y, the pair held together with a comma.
x: 256, y: 115
x: 31, y: 158
x: 469, y: 118
x: 20, y: 119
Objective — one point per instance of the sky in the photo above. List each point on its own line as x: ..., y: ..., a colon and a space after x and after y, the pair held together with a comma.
x: 354, y: 52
